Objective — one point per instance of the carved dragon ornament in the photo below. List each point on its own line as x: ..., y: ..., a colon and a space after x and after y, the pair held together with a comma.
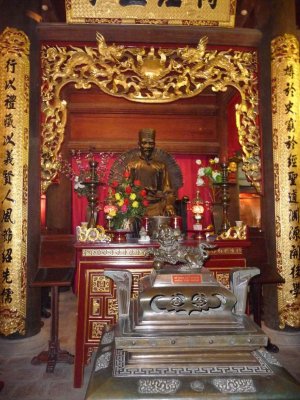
x: 148, y: 75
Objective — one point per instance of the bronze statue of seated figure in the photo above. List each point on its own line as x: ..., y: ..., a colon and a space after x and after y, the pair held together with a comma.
x: 157, y: 171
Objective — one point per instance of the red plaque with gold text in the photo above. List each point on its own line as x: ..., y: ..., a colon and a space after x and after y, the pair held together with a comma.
x: 190, y: 278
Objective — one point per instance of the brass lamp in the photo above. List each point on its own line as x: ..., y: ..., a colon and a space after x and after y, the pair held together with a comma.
x: 197, y: 209
x: 108, y: 208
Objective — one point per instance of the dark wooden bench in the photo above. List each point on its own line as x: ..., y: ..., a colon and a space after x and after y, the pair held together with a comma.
x: 56, y: 269
x: 256, y: 256
x: 268, y: 276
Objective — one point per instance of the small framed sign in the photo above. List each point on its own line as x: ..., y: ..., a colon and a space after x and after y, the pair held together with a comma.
x: 186, y: 279
x: 160, y: 12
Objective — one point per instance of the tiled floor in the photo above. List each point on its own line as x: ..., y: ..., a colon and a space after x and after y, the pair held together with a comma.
x: 31, y: 382
x: 25, y: 381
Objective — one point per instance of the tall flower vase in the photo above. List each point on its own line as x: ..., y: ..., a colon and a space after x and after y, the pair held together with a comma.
x: 120, y: 234
x: 127, y: 224
x: 217, y: 216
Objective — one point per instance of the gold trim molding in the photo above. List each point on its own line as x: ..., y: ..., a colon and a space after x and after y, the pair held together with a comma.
x: 148, y: 75
x: 226, y: 251
x: 94, y: 235
x: 234, y: 233
x: 114, y: 252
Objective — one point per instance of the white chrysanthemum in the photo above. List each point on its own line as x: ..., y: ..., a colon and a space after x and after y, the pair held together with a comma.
x: 200, y: 181
x: 77, y: 183
x: 201, y: 172
x: 198, y: 162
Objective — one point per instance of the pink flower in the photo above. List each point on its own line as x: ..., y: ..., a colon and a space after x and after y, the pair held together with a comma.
x: 108, y: 208
x: 124, y: 208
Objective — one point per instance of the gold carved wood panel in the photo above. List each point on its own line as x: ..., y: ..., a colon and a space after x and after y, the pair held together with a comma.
x: 148, y: 76
x: 102, y: 301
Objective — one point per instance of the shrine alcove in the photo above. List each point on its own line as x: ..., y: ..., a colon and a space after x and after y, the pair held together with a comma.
x: 211, y: 114
x: 198, y: 128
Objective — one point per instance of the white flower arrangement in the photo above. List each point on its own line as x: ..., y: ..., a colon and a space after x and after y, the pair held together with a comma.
x: 209, y: 175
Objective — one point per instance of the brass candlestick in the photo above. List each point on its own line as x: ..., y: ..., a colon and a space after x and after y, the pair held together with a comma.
x: 225, y: 197
x: 92, y: 195
x: 108, y: 207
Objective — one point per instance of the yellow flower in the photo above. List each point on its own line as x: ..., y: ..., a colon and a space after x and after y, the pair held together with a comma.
x: 112, y: 213
x: 117, y: 196
x: 132, y: 196
x: 120, y: 203
x: 213, y: 161
x: 135, y: 204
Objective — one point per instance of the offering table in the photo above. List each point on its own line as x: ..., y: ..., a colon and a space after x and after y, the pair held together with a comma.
x: 97, y: 304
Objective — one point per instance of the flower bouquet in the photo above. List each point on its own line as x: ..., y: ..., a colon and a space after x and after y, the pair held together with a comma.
x: 127, y: 203
x: 210, y: 176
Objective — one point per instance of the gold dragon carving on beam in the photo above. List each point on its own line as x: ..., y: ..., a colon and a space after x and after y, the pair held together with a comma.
x: 148, y: 75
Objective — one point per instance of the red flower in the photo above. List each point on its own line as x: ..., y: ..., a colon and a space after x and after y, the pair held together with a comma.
x: 146, y: 203
x: 143, y: 192
x: 137, y: 182
x: 126, y: 174
x: 128, y: 189
x: 113, y: 191
x: 126, y: 201
x: 115, y: 184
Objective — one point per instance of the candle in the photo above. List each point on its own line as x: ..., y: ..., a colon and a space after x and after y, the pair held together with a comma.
x: 224, y: 159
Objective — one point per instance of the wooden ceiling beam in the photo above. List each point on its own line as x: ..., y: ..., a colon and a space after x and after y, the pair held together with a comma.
x: 149, y: 34
x: 252, y: 13
x: 244, y: 13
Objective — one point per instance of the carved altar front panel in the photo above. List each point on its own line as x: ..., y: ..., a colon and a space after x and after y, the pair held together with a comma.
x: 102, y: 305
x: 97, y: 304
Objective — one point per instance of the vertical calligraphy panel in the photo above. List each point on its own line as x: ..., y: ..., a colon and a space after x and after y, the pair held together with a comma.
x: 286, y: 150
x: 14, y: 129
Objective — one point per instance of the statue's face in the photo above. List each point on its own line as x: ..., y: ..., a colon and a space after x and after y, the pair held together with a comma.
x: 147, y: 146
